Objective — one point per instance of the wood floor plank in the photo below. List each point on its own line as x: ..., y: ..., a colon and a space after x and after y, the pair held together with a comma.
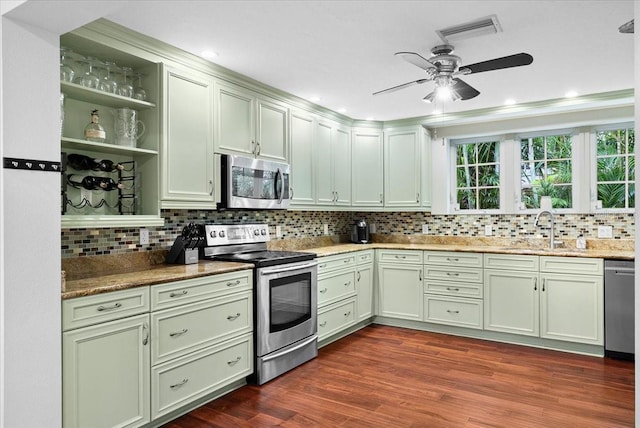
x: 399, y: 378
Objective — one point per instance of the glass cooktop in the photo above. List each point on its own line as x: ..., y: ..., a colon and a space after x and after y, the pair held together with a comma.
x: 266, y: 258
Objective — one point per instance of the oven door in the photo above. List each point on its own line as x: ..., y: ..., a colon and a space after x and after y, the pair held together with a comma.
x: 286, y: 305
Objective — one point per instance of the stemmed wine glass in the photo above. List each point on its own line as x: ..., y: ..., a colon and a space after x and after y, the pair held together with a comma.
x: 107, y: 82
x: 88, y: 79
x: 66, y: 72
x: 139, y: 93
x: 124, y: 87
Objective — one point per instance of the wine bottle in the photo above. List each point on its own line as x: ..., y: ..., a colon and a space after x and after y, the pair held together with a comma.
x: 91, y: 182
x: 84, y: 163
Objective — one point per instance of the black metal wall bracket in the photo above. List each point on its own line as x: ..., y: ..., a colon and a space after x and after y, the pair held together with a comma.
x: 32, y: 165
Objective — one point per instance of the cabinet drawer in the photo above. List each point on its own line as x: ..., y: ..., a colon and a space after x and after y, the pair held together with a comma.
x: 511, y: 262
x: 188, y: 328
x: 449, y: 258
x: 335, y: 287
x: 84, y: 311
x: 364, y: 257
x: 164, y: 296
x: 461, y: 289
x: 455, y: 274
x: 399, y: 256
x: 184, y: 380
x: 453, y: 311
x: 571, y: 265
x: 331, y: 263
x: 336, y: 317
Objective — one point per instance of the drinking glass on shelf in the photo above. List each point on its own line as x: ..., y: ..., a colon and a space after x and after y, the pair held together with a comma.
x: 107, y: 80
x: 138, y: 92
x: 88, y: 78
x: 125, y: 88
x: 66, y: 71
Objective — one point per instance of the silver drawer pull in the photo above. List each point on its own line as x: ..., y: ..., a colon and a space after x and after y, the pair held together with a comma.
x: 181, y: 293
x: 401, y: 257
x: 179, y: 384
x: 346, y: 261
x: 348, y: 283
x: 452, y: 259
x: 109, y: 308
x: 234, y: 362
x: 145, y: 328
x: 347, y: 314
x: 324, y: 290
x: 323, y: 265
x: 233, y: 284
x: 453, y: 274
x: 452, y: 289
x: 233, y: 317
x: 453, y: 312
x: 179, y: 333
x: 323, y: 323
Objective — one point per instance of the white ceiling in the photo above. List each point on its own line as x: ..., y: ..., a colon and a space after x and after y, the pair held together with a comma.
x: 342, y: 51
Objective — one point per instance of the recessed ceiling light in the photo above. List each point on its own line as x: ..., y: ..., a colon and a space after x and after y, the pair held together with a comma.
x: 509, y: 102
x: 436, y: 111
x: 314, y: 99
x: 209, y: 55
x: 571, y: 94
x: 369, y: 118
x: 342, y: 110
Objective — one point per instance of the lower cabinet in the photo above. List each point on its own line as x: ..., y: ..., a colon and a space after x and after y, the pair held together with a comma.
x: 400, y: 284
x: 364, y: 284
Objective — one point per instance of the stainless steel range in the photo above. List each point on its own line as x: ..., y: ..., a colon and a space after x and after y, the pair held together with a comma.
x: 285, y: 296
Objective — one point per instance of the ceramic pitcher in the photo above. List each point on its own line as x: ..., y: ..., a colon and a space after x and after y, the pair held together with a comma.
x: 128, y: 129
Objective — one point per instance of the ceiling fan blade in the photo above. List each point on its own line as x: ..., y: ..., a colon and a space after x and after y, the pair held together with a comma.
x: 404, y: 85
x: 416, y: 59
x: 463, y: 89
x: 516, y: 60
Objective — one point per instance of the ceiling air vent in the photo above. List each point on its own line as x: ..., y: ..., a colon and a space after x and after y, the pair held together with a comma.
x: 479, y: 27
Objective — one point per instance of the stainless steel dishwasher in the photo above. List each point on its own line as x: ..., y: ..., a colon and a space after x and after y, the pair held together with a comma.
x: 618, y: 309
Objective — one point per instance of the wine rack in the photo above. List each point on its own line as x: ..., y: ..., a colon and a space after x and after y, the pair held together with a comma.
x: 125, y: 204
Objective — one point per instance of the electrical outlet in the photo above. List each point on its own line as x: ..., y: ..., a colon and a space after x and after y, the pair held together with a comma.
x: 605, y: 232
x: 372, y: 228
x: 488, y: 230
x: 326, y: 229
x: 144, y: 236
x: 85, y: 194
x: 425, y: 229
x: 278, y: 231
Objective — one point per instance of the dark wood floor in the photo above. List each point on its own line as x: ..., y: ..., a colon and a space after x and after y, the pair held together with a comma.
x: 392, y: 377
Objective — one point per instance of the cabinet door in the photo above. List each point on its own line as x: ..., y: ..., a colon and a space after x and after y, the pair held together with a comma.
x: 366, y: 172
x: 402, y: 168
x: 364, y: 289
x: 302, y: 160
x: 187, y: 155
x: 400, y: 291
x: 511, y: 302
x: 234, y: 120
x: 341, y: 142
x: 572, y: 308
x: 425, y: 166
x: 105, y: 370
x: 271, y: 140
x: 324, y: 171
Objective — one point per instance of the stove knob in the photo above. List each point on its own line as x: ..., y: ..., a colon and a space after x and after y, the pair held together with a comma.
x: 221, y: 233
x: 256, y: 232
x: 213, y: 234
x: 263, y: 232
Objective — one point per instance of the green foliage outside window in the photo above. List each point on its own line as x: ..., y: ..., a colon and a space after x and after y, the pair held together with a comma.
x: 616, y: 168
x: 478, y: 176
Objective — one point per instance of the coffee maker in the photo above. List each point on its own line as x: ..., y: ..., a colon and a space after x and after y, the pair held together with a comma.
x: 360, y: 232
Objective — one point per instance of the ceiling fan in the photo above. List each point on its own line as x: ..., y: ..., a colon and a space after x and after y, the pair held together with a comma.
x: 443, y: 67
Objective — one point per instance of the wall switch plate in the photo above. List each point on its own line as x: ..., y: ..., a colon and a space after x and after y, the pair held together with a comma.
x: 144, y: 236
x: 326, y: 229
x: 425, y: 229
x: 278, y: 231
x: 605, y: 232
x: 372, y: 228
x: 488, y: 230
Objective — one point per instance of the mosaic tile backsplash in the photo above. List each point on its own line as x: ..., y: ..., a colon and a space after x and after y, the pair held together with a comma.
x: 304, y: 224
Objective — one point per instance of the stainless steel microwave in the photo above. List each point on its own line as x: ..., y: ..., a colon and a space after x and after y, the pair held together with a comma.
x: 248, y: 183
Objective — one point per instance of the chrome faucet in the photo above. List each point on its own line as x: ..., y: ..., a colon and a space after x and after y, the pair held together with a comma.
x: 552, y: 242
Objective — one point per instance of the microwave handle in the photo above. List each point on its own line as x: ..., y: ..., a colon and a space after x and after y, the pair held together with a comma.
x: 280, y: 176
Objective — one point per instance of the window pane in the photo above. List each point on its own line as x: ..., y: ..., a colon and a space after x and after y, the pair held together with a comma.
x: 615, y: 168
x: 466, y: 199
x: 488, y: 175
x: 632, y: 195
x: 466, y: 176
x: 631, y: 167
x: 487, y: 153
x: 612, y: 195
x: 559, y: 171
x: 489, y: 199
x: 558, y: 147
x: 561, y: 197
x: 477, y: 165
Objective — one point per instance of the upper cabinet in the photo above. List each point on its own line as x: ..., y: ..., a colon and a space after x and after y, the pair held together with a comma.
x: 366, y: 168
x: 333, y: 164
x: 402, y: 150
x: 248, y: 123
x: 128, y: 194
x: 303, y: 163
x: 187, y: 140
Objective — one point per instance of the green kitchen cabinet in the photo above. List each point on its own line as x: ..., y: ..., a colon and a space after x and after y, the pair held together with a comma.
x: 303, y: 162
x: 250, y: 124
x: 187, y: 146
x: 402, y: 167
x: 400, y: 284
x: 364, y: 284
x: 511, y: 302
x: 333, y: 164
x: 367, y: 168
x: 106, y: 369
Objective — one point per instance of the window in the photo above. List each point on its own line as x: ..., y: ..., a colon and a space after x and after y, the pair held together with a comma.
x: 478, y: 176
x: 546, y: 170
x: 615, y: 168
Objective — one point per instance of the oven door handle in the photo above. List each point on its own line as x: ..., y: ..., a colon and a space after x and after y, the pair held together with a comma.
x: 286, y: 351
x: 288, y: 269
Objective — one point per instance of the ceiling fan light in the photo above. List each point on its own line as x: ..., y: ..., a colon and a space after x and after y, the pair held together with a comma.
x: 444, y: 93
x: 430, y: 97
